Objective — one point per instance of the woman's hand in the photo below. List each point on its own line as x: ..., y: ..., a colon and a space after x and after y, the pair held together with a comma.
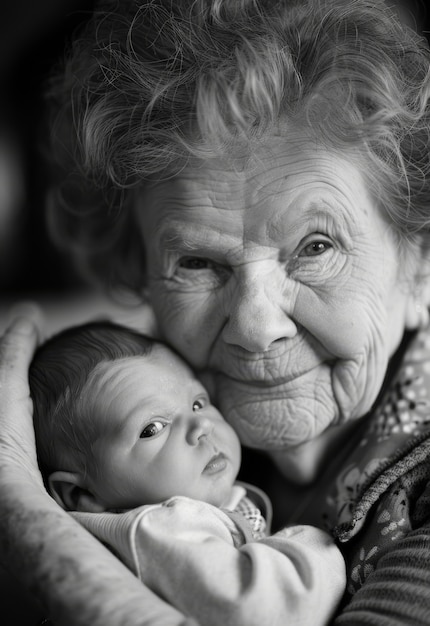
x: 17, y: 444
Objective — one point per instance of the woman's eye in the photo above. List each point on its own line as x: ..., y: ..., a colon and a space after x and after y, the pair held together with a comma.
x: 195, y: 263
x: 198, y: 405
x: 152, y: 429
x: 315, y: 248
x: 208, y: 272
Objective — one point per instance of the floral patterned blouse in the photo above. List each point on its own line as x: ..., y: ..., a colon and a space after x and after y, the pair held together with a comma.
x: 379, y: 506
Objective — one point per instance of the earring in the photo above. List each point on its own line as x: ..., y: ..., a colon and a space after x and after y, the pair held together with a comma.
x: 422, y: 313
x: 417, y: 313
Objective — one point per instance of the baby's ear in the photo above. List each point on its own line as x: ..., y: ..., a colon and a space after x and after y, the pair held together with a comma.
x: 67, y: 490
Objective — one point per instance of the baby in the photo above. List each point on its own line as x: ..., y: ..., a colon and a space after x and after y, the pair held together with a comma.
x: 129, y: 440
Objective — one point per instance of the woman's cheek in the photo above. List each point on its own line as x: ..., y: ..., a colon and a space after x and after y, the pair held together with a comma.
x: 188, y: 321
x: 359, y: 372
x: 358, y: 379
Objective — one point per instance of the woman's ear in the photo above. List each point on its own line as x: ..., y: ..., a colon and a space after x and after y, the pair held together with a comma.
x: 67, y: 490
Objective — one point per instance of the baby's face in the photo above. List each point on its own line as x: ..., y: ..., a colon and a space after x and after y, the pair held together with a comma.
x: 159, y: 434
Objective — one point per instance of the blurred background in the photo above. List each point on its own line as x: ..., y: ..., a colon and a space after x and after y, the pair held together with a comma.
x: 33, y: 36
x: 32, y: 39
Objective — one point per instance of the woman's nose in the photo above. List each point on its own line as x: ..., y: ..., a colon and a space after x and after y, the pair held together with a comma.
x: 199, y: 426
x: 258, y: 312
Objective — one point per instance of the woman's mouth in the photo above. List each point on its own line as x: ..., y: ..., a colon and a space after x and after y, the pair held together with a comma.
x: 217, y: 463
x: 279, y: 368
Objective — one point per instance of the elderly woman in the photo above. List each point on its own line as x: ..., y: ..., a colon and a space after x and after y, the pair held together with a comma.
x: 259, y: 171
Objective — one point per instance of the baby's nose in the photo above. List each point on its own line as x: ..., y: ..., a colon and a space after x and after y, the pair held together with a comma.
x: 200, y: 426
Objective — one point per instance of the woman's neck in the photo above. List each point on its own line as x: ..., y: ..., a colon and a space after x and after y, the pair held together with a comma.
x: 304, y: 464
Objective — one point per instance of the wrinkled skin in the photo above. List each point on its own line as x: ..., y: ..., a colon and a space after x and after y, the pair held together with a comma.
x: 284, y: 279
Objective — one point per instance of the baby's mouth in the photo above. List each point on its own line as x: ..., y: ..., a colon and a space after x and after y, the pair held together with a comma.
x: 217, y: 463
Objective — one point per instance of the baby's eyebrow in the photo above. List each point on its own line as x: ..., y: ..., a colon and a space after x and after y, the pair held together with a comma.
x: 137, y: 415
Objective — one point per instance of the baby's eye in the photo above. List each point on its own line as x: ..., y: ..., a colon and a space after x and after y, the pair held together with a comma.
x: 199, y: 404
x: 152, y: 429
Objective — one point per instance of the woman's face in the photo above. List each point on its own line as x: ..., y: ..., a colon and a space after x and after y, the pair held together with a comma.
x: 284, y: 280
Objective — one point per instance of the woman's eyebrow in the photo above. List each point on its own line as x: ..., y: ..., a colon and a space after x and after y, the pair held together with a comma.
x: 182, y: 236
x: 172, y: 239
x: 322, y: 210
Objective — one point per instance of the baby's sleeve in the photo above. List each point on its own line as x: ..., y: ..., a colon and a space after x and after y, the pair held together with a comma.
x: 189, y: 553
x: 186, y: 554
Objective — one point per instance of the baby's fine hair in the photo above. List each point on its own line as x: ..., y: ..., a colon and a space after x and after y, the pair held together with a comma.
x: 58, y: 374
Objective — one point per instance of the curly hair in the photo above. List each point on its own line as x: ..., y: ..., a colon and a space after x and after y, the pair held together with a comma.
x: 149, y: 85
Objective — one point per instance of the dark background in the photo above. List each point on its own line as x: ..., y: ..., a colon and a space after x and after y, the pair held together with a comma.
x: 32, y: 39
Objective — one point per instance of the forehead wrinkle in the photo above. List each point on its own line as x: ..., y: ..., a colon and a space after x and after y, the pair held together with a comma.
x: 212, y: 215
x: 204, y: 202
x: 222, y: 193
